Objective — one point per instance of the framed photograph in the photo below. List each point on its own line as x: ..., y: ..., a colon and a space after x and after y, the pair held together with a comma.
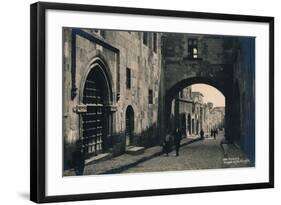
x: 129, y: 102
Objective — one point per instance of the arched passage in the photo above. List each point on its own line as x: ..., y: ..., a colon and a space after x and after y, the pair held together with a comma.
x: 129, y: 131
x: 197, y: 110
x: 96, y: 122
x: 222, y: 84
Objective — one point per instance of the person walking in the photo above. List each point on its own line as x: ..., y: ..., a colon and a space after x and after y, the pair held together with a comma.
x: 215, y: 133
x: 177, y: 141
x: 167, y: 144
x: 201, y: 134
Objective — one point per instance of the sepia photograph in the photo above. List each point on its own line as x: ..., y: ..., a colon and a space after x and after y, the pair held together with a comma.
x: 144, y: 101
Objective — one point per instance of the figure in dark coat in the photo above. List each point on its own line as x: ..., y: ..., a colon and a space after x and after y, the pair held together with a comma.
x: 177, y: 141
x: 167, y: 147
x: 215, y: 133
x: 78, y: 159
x: 201, y: 134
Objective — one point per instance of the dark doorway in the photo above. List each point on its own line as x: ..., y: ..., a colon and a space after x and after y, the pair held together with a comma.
x: 129, y: 132
x: 197, y: 127
x: 189, y: 124
x: 183, y: 124
x: 192, y: 122
x: 94, y: 119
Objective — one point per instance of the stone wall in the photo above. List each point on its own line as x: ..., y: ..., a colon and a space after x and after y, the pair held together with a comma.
x: 244, y: 90
x: 213, y: 63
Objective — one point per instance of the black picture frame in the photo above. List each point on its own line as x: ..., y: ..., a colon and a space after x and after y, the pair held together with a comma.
x: 38, y: 100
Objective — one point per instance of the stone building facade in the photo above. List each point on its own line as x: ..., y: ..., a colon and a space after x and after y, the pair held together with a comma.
x: 112, y: 88
x: 191, y: 114
x: 182, y: 110
x: 217, y: 117
x: 198, y: 119
x: 189, y: 117
x: 207, y: 118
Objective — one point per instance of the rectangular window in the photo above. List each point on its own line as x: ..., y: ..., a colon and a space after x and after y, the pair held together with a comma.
x: 128, y: 78
x: 150, y: 96
x: 192, y: 48
x: 145, y: 38
x: 155, y: 42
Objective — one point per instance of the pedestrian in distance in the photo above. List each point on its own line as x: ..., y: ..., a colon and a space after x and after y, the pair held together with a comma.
x: 215, y: 133
x: 212, y: 132
x: 201, y: 134
x: 167, y: 146
x: 177, y: 141
x: 78, y: 158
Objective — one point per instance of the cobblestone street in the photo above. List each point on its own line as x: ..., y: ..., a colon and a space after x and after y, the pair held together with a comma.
x: 203, y: 154
x: 194, y: 154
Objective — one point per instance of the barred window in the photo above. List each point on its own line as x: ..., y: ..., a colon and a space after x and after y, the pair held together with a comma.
x: 150, y: 96
x: 192, y: 48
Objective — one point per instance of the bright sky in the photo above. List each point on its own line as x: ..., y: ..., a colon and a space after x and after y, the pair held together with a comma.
x: 211, y: 94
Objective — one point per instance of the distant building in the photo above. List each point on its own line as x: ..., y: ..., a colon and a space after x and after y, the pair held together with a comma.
x: 191, y: 114
x: 215, y: 118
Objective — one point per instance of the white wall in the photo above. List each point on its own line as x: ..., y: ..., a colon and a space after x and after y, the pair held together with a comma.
x: 14, y: 103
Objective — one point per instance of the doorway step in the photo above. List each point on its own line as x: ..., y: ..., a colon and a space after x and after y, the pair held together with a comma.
x: 132, y: 150
x: 98, y: 158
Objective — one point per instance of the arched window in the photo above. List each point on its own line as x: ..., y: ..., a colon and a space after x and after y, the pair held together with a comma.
x: 129, y: 125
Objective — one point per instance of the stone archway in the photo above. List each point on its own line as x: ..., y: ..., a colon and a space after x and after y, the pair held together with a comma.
x: 222, y: 84
x: 96, y: 119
